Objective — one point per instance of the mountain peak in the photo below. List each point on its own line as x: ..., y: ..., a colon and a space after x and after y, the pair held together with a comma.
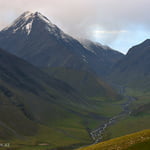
x: 140, y: 47
x: 147, y: 41
x: 24, y: 22
x: 42, y: 18
x: 38, y: 14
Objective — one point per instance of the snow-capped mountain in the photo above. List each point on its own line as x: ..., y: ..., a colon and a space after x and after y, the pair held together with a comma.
x: 36, y: 39
x: 25, y: 21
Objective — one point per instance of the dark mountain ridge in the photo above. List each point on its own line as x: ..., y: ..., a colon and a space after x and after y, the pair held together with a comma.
x: 106, y: 56
x: 134, y: 68
x: 34, y: 38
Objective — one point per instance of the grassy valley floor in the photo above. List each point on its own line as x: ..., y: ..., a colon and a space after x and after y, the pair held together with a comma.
x: 65, y: 133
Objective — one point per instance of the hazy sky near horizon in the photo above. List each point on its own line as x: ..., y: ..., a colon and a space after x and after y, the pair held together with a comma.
x: 117, y: 23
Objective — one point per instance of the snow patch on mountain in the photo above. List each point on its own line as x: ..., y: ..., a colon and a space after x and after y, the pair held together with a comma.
x: 84, y: 58
x: 44, y: 19
x: 25, y: 21
x: 24, y: 24
x: 29, y: 27
x: 86, y: 44
x: 86, y: 47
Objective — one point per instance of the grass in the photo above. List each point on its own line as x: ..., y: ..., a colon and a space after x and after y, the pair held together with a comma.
x: 66, y: 129
x: 135, y: 141
x: 127, y: 125
x: 107, y: 109
x: 139, y: 119
x: 60, y: 133
x: 48, y: 137
x: 141, y: 146
x: 84, y: 82
x: 41, y: 109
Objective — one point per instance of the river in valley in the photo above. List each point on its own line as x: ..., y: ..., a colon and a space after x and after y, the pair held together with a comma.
x: 97, y: 134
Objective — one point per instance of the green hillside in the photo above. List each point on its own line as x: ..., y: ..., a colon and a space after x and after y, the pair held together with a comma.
x: 36, y: 108
x: 86, y: 83
x: 135, y: 141
x: 137, y: 120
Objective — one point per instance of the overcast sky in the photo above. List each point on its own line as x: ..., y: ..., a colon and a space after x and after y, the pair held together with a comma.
x: 117, y: 23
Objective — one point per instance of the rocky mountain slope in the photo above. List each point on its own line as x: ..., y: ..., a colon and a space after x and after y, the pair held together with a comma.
x: 134, y: 69
x: 34, y: 38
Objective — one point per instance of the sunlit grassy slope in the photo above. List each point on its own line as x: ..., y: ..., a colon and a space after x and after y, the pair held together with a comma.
x: 135, y: 141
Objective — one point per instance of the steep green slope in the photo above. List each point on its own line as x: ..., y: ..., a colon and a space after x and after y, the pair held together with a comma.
x: 86, y: 83
x: 36, y: 108
x: 135, y: 141
x: 20, y: 79
x: 27, y: 95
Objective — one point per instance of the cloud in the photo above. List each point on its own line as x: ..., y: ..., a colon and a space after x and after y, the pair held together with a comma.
x: 110, y: 31
x: 81, y: 18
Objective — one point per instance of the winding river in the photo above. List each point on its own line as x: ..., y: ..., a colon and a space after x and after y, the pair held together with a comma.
x: 97, y: 134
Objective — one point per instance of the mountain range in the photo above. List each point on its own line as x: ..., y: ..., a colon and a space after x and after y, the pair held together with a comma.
x: 51, y: 82
x: 43, y: 44
x: 33, y: 99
